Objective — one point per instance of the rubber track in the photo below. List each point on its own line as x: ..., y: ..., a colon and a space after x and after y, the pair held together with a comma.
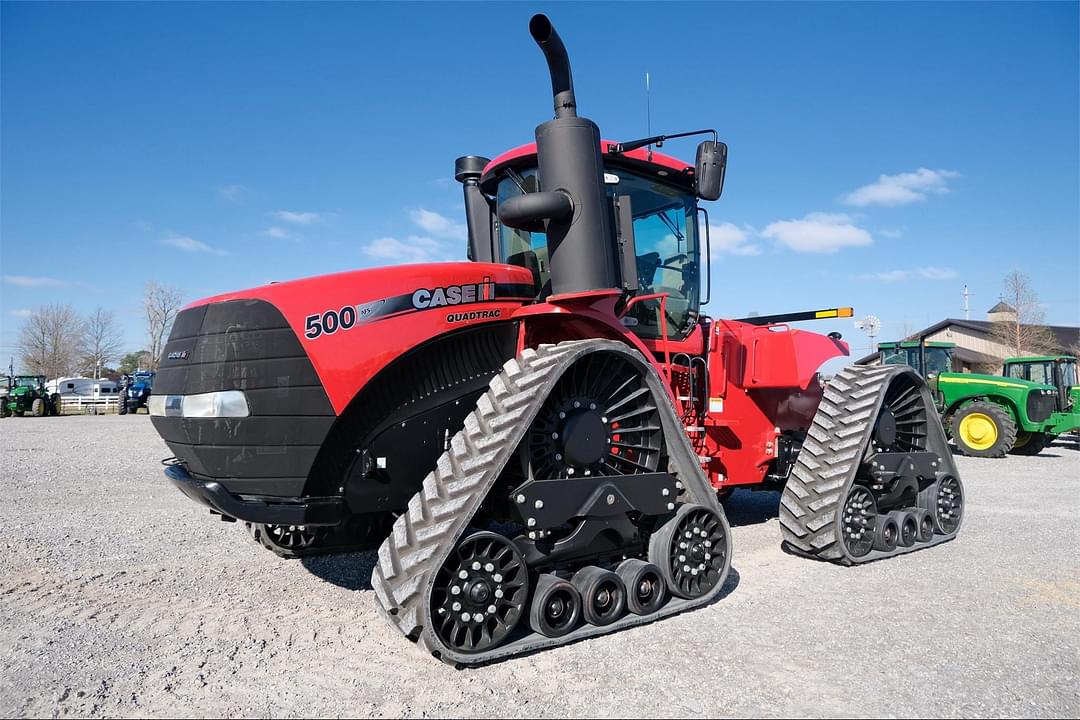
x: 451, y: 495
x: 830, y: 457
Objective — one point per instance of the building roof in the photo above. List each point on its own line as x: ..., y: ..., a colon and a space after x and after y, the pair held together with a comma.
x: 1001, y: 307
x: 1065, y: 335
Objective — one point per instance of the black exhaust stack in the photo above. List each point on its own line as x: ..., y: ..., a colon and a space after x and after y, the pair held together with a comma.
x: 580, y: 237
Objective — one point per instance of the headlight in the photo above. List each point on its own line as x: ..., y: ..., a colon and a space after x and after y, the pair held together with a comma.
x: 225, y: 403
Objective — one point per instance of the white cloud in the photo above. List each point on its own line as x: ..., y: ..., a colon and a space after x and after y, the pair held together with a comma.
x: 439, y: 225
x: 20, y: 313
x: 182, y: 242
x: 818, y: 233
x: 926, y: 273
x: 232, y: 193
x: 937, y: 273
x: 901, y: 189
x: 298, y: 218
x: 730, y: 238
x: 891, y: 233
x: 276, y: 233
x: 30, y: 281
x: 414, y: 249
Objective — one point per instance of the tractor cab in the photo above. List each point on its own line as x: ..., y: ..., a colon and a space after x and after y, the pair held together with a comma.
x: 928, y: 358
x: 656, y: 192
x: 1056, y: 370
x: 23, y: 384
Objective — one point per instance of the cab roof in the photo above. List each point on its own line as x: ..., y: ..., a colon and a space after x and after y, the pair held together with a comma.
x: 665, y: 167
x: 914, y: 344
x: 1037, y: 358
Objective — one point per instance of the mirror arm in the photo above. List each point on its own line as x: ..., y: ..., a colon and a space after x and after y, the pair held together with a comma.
x: 708, y: 258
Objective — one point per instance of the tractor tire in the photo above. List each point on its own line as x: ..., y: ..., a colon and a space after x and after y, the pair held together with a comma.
x: 1031, y: 443
x: 37, y: 408
x: 983, y: 429
x: 121, y: 405
x: 54, y: 405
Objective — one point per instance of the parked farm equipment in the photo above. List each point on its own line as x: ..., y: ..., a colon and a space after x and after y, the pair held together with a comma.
x: 135, y: 391
x: 550, y: 423
x: 27, y: 394
x: 991, y: 415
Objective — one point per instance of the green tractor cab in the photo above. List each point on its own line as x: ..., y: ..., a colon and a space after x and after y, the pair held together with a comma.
x: 1060, y: 372
x: 27, y: 394
x: 986, y: 415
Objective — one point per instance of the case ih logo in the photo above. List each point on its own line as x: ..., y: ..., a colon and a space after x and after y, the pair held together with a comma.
x: 330, y: 321
x: 178, y: 355
x: 453, y: 295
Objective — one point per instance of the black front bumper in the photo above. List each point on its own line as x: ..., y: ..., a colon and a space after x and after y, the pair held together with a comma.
x: 255, y: 509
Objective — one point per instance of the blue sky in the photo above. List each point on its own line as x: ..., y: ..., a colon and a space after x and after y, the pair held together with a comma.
x: 881, y: 155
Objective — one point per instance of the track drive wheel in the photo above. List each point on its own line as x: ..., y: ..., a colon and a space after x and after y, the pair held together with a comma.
x: 1031, y: 443
x: 479, y: 593
x: 983, y: 429
x: 691, y: 551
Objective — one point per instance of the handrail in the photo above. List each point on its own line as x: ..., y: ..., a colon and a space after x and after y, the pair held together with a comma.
x: 662, y: 297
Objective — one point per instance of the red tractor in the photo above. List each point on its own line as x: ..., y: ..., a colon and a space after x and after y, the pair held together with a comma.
x: 539, y: 437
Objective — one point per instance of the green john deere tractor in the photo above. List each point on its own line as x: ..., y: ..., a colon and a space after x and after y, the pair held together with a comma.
x: 27, y: 394
x: 986, y: 415
x: 1058, y: 371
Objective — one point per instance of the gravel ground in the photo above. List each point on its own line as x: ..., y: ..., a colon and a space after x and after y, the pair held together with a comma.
x: 118, y: 596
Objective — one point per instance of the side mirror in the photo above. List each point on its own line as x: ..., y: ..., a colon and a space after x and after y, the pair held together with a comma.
x: 709, y: 168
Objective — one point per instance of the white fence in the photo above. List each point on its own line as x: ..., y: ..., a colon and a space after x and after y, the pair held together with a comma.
x: 88, y: 404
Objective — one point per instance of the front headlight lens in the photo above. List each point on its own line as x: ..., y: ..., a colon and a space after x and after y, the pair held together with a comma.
x: 222, y: 404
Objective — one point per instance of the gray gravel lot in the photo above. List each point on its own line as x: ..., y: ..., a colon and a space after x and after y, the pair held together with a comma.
x: 118, y: 596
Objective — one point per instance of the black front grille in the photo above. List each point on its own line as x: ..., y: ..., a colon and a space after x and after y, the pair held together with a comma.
x: 244, y: 345
x: 1040, y: 406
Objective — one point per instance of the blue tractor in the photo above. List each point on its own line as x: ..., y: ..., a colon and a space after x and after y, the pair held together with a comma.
x: 135, y: 391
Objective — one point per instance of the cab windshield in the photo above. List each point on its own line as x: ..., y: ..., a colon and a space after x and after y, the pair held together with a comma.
x: 666, y: 240
x: 938, y: 360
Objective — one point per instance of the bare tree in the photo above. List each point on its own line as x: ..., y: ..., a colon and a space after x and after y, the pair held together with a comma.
x: 49, y: 340
x: 161, y: 303
x: 1024, y: 333
x: 101, y: 340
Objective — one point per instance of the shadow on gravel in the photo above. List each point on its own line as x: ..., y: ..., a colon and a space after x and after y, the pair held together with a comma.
x: 351, y: 571
x: 746, y: 507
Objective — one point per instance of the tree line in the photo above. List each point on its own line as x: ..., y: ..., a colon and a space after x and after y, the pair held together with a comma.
x: 56, y: 341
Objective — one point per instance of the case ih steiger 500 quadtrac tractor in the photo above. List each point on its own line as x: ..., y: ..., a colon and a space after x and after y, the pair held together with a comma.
x: 551, y: 423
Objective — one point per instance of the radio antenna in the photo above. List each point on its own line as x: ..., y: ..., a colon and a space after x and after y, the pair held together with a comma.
x: 648, y: 112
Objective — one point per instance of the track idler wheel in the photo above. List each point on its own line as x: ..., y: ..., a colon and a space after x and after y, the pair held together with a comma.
x: 945, y: 502
x: 292, y: 538
x: 859, y: 521
x: 645, y: 586
x: 555, y: 608
x: 603, y: 595
x: 479, y: 593
x: 886, y: 533
x: 690, y: 549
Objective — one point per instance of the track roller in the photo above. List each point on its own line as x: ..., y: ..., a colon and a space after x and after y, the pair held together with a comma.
x: 925, y: 522
x: 886, y: 533
x: 645, y: 586
x: 909, y: 527
x: 555, y: 608
x: 603, y: 595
